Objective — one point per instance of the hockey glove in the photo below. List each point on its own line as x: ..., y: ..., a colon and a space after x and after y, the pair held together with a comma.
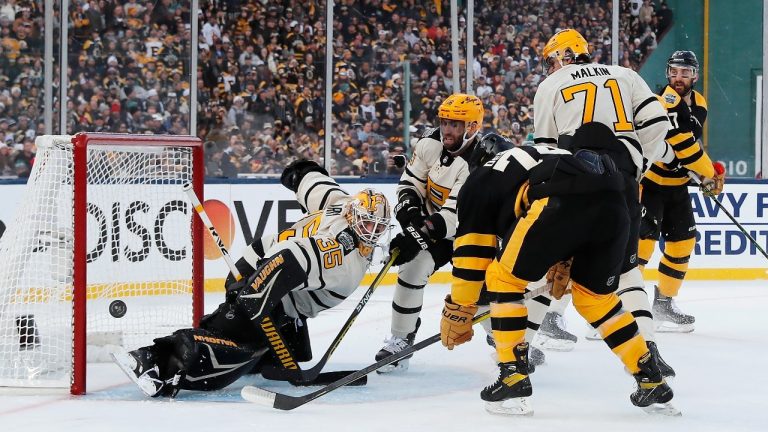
x: 408, y: 210
x: 410, y: 242
x: 295, y: 171
x: 456, y: 324
x: 559, y: 278
x: 712, y: 187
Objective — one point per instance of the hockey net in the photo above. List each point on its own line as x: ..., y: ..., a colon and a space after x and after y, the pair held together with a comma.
x: 104, y: 251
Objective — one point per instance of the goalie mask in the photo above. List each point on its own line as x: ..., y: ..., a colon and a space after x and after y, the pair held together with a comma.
x: 368, y: 215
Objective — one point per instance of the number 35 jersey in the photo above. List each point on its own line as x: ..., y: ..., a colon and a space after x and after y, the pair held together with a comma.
x: 613, y: 95
x: 324, y: 245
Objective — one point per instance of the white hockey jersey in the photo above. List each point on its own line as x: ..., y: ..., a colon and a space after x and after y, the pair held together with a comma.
x: 334, y: 266
x: 437, y: 177
x: 613, y: 95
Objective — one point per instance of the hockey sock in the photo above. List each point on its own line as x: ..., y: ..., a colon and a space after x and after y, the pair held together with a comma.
x: 537, y: 308
x: 406, y: 306
x: 674, y: 265
x: 558, y: 306
x: 617, y: 327
x: 636, y: 301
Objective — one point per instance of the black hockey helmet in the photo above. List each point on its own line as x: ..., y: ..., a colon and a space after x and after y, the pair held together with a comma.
x: 683, y: 59
x: 487, y: 148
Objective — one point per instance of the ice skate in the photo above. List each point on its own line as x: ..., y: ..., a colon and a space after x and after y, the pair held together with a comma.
x: 536, y: 356
x: 509, y: 394
x: 667, y: 316
x: 652, y: 395
x: 394, y: 345
x: 552, y: 334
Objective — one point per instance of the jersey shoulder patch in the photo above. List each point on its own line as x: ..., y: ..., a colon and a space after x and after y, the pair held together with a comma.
x: 669, y: 98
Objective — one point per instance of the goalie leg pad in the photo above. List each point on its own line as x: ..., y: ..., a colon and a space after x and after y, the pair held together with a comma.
x: 275, y: 278
x: 198, y: 359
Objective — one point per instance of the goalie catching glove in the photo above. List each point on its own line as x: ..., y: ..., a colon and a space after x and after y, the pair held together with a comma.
x: 456, y: 323
x: 712, y: 187
x: 559, y: 278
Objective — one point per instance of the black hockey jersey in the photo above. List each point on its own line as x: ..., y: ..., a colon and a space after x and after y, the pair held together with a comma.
x: 495, y: 195
x: 687, y: 126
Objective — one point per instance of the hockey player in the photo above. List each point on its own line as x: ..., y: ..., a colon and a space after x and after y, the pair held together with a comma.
x: 308, y: 268
x: 426, y: 211
x: 664, y: 191
x: 547, y: 206
x: 577, y: 92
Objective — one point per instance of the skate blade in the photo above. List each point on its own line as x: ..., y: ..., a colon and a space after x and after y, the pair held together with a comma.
x: 551, y: 344
x: 510, y: 407
x: 401, y: 366
x: 670, y: 327
x: 593, y: 335
x: 664, y: 409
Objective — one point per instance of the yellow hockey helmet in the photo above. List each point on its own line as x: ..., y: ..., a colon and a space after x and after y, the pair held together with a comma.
x: 565, y: 44
x: 467, y: 108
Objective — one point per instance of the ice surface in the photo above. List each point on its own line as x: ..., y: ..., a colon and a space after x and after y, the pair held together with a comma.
x: 720, y: 386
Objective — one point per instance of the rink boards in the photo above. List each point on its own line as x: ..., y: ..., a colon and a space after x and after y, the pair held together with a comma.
x: 244, y: 211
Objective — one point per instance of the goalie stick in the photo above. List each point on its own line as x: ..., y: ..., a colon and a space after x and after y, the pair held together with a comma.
x: 297, y: 377
x: 286, y: 402
x: 310, y: 376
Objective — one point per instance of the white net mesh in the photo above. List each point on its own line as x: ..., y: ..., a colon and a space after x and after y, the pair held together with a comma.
x: 139, y: 257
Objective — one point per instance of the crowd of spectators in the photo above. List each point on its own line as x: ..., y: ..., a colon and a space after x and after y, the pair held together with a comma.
x: 261, y: 72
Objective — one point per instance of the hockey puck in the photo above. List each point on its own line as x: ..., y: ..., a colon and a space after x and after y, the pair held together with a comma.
x: 118, y: 308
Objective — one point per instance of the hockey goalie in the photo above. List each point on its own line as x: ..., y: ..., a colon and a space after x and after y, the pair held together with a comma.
x: 287, y: 278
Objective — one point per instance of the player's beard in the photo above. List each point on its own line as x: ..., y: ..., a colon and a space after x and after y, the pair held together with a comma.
x: 681, y: 88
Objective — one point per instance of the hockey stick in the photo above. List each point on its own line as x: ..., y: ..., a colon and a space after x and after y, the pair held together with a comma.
x: 286, y: 402
x: 302, y: 377
x: 211, y: 229
x: 727, y: 213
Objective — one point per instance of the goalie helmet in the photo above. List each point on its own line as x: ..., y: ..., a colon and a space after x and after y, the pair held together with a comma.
x: 368, y: 215
x: 567, y: 44
x: 467, y: 108
x: 487, y: 148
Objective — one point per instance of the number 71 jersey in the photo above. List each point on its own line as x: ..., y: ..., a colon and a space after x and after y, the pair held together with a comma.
x: 613, y: 95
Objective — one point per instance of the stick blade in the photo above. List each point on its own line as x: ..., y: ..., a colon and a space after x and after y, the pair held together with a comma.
x: 258, y: 396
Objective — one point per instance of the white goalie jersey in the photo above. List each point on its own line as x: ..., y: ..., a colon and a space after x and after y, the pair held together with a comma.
x: 324, y: 245
x: 437, y: 177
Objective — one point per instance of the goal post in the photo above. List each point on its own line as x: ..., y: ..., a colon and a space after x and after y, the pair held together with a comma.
x: 104, y: 251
